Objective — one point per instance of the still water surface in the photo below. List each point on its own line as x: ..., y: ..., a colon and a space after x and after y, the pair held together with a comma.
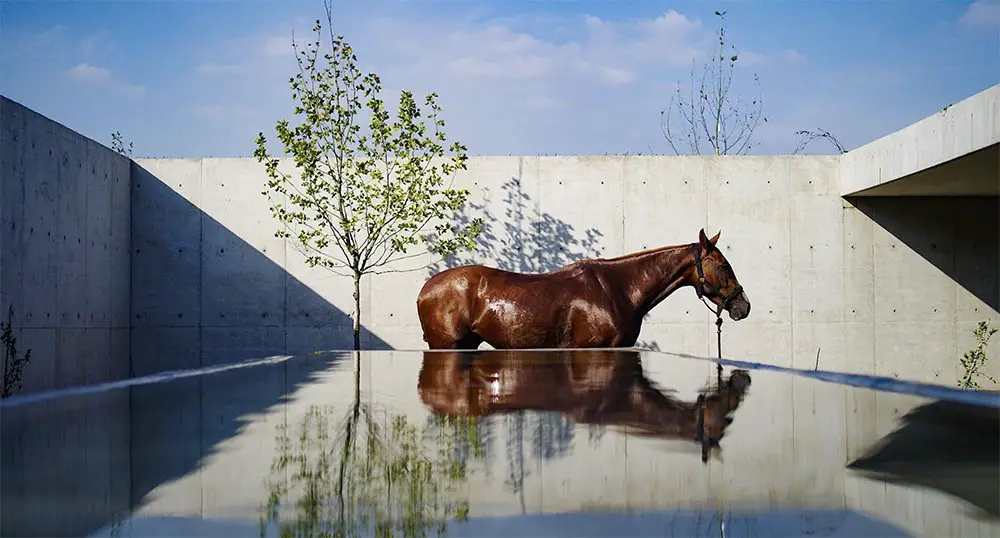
x: 500, y: 443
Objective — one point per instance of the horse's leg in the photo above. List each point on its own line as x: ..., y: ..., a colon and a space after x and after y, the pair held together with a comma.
x: 448, y: 340
x: 469, y: 341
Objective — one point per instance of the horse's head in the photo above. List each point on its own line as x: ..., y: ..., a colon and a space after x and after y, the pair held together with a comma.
x: 715, y: 279
x: 715, y: 410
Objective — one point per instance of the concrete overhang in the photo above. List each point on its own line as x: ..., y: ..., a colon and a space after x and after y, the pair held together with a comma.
x: 955, y: 152
x: 974, y: 174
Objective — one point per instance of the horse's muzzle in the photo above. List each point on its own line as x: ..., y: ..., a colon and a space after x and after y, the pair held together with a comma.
x: 739, y: 308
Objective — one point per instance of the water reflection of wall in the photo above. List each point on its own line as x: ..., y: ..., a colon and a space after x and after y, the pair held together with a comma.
x: 788, y: 446
x: 65, y: 467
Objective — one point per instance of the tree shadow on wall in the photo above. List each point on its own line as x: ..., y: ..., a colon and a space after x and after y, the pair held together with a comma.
x: 523, y: 239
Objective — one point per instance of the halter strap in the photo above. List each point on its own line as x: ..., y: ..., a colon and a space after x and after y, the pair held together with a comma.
x: 713, y: 290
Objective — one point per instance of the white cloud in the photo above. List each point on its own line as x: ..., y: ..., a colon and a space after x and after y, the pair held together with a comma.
x: 982, y: 14
x: 518, y: 85
x: 86, y: 73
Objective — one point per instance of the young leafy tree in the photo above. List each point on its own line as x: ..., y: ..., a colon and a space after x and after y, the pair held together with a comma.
x: 708, y: 117
x: 367, y: 185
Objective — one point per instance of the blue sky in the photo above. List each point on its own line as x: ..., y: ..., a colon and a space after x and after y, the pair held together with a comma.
x: 200, y: 78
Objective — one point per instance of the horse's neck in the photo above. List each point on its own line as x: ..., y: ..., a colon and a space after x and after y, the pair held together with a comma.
x: 660, y: 413
x: 649, y: 277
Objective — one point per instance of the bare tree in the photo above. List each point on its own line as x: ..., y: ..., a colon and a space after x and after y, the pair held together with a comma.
x: 808, y: 136
x: 708, y: 117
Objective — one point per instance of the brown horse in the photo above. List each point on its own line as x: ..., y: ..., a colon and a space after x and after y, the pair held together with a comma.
x: 588, y: 303
x: 605, y: 387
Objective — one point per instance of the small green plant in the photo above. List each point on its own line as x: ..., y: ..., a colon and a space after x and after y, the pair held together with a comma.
x: 13, y: 366
x: 974, y: 359
x: 118, y: 144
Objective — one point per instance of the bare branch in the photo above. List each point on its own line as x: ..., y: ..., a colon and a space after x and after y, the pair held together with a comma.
x: 711, y: 112
x: 808, y: 137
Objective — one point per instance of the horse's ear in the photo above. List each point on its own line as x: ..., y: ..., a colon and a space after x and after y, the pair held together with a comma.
x: 703, y: 239
x: 715, y: 239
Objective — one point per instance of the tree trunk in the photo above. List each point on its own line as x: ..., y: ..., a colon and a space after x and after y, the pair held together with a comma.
x: 357, y: 311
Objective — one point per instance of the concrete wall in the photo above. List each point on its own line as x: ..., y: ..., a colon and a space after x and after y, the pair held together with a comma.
x: 65, y: 269
x: 823, y: 276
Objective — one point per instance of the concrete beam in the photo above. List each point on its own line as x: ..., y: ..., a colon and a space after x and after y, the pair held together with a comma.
x: 974, y: 174
x: 957, y: 130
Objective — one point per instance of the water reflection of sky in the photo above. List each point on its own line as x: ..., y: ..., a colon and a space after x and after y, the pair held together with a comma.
x: 782, y: 523
x: 598, y: 443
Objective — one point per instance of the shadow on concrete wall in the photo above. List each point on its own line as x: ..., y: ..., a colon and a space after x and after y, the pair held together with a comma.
x: 527, y: 241
x: 958, y: 235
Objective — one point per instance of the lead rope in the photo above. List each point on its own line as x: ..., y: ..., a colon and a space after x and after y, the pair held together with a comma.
x: 718, y: 335
x: 718, y: 379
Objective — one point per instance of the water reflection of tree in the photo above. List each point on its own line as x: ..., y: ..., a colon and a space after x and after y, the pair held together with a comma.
x: 370, y: 471
x: 533, y: 242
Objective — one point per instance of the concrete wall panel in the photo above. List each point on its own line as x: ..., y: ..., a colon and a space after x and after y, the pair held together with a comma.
x: 923, y: 296
x: 164, y: 348
x: 584, y: 192
x: 39, y: 290
x: 99, y: 353
x: 222, y: 345
x: 817, y: 248
x: 97, y: 248
x: 748, y: 200
x: 692, y: 338
x: 858, y: 292
x: 70, y: 255
x: 71, y: 364
x: 916, y: 350
x: 166, y: 243
x: 41, y: 373
x: 12, y: 187
x: 120, y: 242
x: 56, y: 254
x: 228, y: 183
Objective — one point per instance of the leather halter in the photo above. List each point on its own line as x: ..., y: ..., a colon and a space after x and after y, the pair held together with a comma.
x: 713, y: 290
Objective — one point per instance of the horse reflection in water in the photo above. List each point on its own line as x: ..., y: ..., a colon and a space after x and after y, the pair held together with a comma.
x: 604, y: 387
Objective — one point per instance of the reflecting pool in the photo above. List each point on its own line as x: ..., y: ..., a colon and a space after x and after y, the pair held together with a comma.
x: 501, y: 443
